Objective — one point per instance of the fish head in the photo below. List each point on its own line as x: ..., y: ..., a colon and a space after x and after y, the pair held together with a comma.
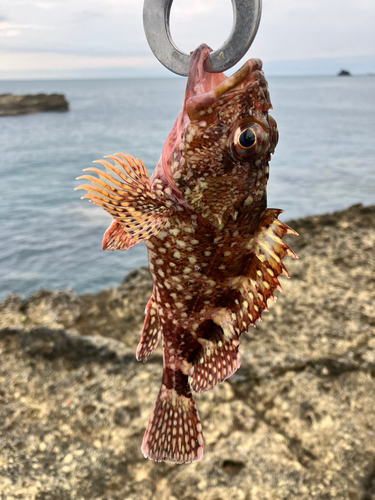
x: 218, y: 151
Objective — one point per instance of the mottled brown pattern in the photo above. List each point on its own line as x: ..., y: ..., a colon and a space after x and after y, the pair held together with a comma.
x: 214, y: 248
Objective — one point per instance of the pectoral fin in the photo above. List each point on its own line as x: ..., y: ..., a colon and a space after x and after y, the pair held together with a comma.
x: 116, y: 238
x: 125, y: 192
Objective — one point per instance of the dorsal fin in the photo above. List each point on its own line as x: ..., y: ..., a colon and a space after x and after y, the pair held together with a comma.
x: 216, y: 360
x: 260, y: 278
x: 263, y: 270
x: 125, y: 192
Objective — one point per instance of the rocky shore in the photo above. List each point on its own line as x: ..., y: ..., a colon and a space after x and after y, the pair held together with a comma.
x: 12, y: 105
x: 297, y: 421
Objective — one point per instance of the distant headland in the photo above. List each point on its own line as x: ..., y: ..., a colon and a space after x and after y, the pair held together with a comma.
x: 12, y: 105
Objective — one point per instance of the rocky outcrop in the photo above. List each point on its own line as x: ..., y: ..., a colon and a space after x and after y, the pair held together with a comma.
x: 344, y: 72
x: 12, y: 105
x: 295, y: 422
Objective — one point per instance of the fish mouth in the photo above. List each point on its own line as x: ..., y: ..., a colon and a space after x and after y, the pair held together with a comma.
x: 199, y: 80
x: 206, y: 91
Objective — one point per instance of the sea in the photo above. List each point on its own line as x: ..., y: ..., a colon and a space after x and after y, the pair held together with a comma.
x: 51, y: 239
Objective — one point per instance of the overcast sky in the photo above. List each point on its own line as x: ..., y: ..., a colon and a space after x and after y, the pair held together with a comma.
x: 99, y: 38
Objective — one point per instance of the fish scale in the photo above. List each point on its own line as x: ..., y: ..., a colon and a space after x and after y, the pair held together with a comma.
x: 214, y: 248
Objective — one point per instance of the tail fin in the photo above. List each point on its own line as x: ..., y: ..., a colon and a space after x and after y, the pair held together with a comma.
x: 174, y: 432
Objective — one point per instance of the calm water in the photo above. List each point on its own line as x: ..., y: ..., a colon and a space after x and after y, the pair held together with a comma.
x: 51, y: 239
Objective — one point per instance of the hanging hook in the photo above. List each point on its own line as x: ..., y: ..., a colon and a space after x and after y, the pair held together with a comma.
x: 246, y: 19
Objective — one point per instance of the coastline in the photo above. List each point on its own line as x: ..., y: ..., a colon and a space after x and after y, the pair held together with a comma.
x: 295, y: 421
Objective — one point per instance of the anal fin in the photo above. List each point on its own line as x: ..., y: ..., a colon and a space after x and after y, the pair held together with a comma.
x: 150, y: 334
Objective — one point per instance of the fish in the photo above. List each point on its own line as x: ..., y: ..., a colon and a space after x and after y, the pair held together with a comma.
x: 214, y: 248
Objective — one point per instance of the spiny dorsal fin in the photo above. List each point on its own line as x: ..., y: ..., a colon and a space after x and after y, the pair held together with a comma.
x: 125, y: 192
x: 260, y: 278
x: 267, y: 244
x: 150, y: 333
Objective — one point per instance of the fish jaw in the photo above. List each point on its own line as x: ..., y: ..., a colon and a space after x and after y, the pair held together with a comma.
x: 199, y: 81
x: 202, y: 157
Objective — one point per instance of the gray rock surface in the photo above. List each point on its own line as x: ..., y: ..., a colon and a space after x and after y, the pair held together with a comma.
x: 295, y: 422
x: 12, y: 105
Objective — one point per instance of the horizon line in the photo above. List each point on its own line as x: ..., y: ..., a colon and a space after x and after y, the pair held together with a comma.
x: 171, y: 77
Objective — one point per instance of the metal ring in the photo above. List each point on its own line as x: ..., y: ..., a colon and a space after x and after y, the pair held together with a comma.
x: 246, y: 19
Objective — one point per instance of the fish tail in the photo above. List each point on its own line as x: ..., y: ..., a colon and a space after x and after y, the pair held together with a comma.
x: 174, y: 432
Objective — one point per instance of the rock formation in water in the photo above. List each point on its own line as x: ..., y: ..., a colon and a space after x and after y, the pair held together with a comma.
x: 344, y: 72
x: 12, y: 105
x: 295, y: 422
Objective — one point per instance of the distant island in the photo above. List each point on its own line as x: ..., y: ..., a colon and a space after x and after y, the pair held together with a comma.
x: 12, y: 105
x: 344, y: 72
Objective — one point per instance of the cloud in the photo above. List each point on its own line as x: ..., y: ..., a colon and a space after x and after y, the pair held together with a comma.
x: 52, y: 61
x: 94, y: 30
x: 87, y: 16
x: 12, y: 29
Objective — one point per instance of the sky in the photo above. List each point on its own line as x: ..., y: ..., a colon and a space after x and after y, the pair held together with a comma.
x: 43, y: 39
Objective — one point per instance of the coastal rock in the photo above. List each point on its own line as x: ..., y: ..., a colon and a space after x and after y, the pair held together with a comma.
x: 344, y: 72
x: 117, y: 312
x: 296, y: 420
x: 12, y: 105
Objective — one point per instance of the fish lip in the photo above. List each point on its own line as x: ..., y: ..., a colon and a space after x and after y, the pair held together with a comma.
x: 201, y: 81
x: 197, y: 82
x: 204, y: 89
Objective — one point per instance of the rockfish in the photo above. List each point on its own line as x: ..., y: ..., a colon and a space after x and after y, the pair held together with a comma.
x: 214, y: 248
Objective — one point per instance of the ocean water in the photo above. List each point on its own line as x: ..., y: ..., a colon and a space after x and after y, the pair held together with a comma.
x: 50, y: 238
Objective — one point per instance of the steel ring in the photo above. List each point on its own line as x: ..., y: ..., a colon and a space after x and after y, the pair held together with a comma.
x: 246, y: 19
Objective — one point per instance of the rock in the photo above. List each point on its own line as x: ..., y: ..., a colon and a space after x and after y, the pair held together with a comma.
x: 344, y: 72
x: 117, y: 313
x: 295, y: 421
x: 11, y: 105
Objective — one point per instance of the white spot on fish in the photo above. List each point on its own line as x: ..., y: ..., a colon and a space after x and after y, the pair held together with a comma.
x: 161, y: 235
x: 249, y: 200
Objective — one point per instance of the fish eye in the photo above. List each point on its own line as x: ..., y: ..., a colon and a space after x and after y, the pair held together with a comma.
x: 247, y: 139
